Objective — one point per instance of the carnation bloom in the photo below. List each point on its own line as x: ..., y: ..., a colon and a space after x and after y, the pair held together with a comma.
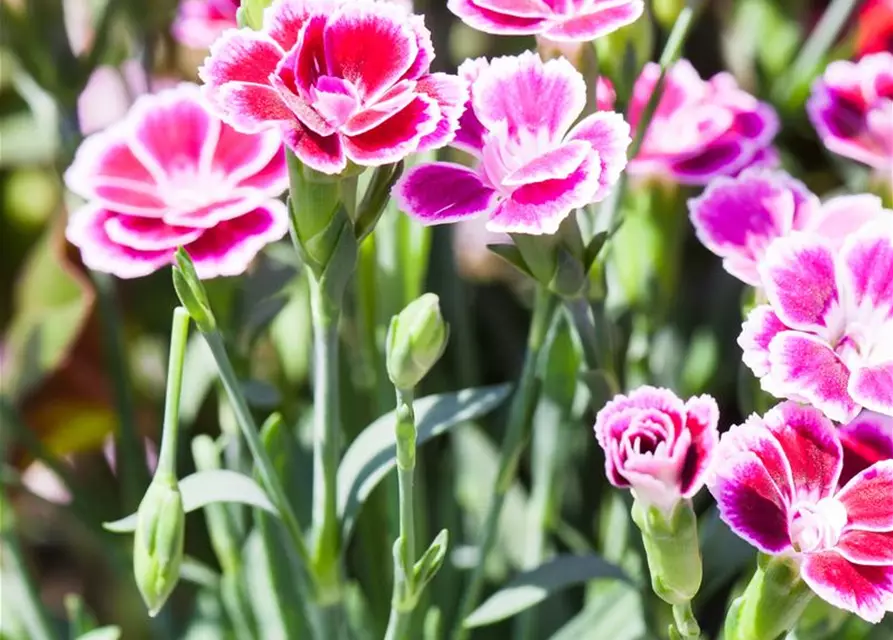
x: 776, y: 481
x: 874, y: 27
x: 701, y: 129
x: 738, y: 218
x: 867, y: 439
x: 532, y: 172
x: 171, y: 174
x: 342, y: 81
x: 657, y: 445
x: 200, y: 22
x: 851, y: 107
x: 559, y: 20
x: 824, y: 337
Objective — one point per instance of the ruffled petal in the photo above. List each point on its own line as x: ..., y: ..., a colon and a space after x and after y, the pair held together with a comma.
x: 867, y: 547
x: 701, y: 420
x: 872, y: 386
x: 864, y: 590
x: 757, y: 332
x: 494, y: 22
x: 396, y: 137
x: 441, y: 192
x: 609, y: 135
x: 842, y: 216
x: 451, y: 94
x: 323, y: 153
x: 589, y: 26
x: 148, y: 234
x: 556, y: 164
x: 241, y: 157
x: 284, y: 19
x: 865, y: 271
x: 866, y: 439
x: 867, y: 498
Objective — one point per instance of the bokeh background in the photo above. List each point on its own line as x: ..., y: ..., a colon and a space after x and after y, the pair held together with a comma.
x: 675, y: 312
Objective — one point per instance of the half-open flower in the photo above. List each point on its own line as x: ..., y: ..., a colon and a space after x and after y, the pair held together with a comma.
x: 851, y: 107
x: 534, y: 169
x: 200, y: 22
x: 172, y: 174
x: 558, y: 20
x: 776, y: 481
x: 701, y: 129
x: 658, y: 445
x: 824, y: 337
x: 738, y: 218
x: 342, y: 81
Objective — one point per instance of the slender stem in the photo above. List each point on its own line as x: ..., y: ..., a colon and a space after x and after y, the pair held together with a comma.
x: 404, y: 597
x: 820, y: 40
x: 167, y: 457
x: 326, y: 434
x: 594, y: 335
x: 685, y: 622
x: 129, y: 452
x: 30, y: 612
x: 516, y: 436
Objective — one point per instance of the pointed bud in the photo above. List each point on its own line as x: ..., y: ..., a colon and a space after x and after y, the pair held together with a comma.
x: 251, y: 13
x: 417, y: 338
x: 673, y: 550
x: 191, y: 292
x: 158, y: 541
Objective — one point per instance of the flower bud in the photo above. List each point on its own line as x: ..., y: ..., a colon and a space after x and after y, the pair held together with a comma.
x: 673, y: 550
x: 417, y: 338
x: 191, y: 292
x: 158, y: 541
x: 251, y: 13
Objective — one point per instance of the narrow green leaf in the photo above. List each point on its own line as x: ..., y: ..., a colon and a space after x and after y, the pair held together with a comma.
x: 612, y: 611
x: 511, y: 254
x: 532, y: 587
x: 207, y: 487
x: 373, y: 453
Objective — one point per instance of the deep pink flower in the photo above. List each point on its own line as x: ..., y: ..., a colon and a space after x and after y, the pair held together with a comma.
x: 200, y: 22
x: 532, y: 172
x: 171, y: 174
x: 851, y: 107
x: 559, y: 20
x: 776, y: 481
x: 341, y: 80
x: 701, y: 129
x: 658, y: 445
x: 824, y: 337
x: 867, y: 439
x: 738, y: 218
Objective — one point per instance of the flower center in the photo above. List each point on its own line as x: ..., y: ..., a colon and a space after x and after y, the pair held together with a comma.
x: 335, y: 99
x: 188, y: 189
x: 817, y: 526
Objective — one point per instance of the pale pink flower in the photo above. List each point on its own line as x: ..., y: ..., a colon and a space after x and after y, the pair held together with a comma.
x: 558, y: 20
x: 776, y: 480
x: 658, y: 445
x: 701, y: 129
x: 825, y: 336
x: 738, y: 218
x: 200, y: 22
x: 172, y: 174
x: 342, y: 81
x: 534, y: 169
x: 851, y: 107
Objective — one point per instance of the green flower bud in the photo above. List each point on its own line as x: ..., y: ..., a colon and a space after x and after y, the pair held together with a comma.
x: 251, y: 13
x: 771, y: 604
x: 158, y: 541
x: 417, y: 338
x: 191, y: 292
x: 673, y: 550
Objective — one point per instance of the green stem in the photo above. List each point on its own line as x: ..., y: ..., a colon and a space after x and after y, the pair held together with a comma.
x: 516, y: 436
x: 29, y: 610
x: 167, y: 457
x: 129, y: 453
x: 685, y: 623
x: 594, y: 334
x: 404, y: 597
x: 326, y: 435
x: 817, y: 45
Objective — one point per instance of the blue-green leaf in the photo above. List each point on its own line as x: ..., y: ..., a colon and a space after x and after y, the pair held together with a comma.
x: 532, y: 587
x: 207, y: 487
x: 373, y: 453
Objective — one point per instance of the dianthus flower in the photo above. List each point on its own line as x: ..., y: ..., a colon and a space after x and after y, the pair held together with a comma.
x: 776, y: 481
x: 342, y: 81
x: 534, y: 169
x: 171, y: 174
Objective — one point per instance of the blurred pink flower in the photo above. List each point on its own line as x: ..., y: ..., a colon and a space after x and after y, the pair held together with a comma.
x: 701, y: 129
x: 200, y: 22
x: 776, y: 480
x: 342, y: 81
x: 558, y: 20
x: 851, y: 107
x: 533, y: 171
x: 658, y: 445
x: 824, y: 337
x: 738, y: 218
x: 171, y: 174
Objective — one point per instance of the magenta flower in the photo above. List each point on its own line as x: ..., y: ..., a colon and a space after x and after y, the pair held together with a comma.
x: 558, y: 20
x: 738, y: 218
x: 341, y: 80
x: 200, y: 22
x: 866, y: 440
x: 775, y: 480
x: 824, y: 337
x: 657, y: 445
x: 533, y: 172
x: 171, y: 174
x: 700, y: 130
x: 851, y: 107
